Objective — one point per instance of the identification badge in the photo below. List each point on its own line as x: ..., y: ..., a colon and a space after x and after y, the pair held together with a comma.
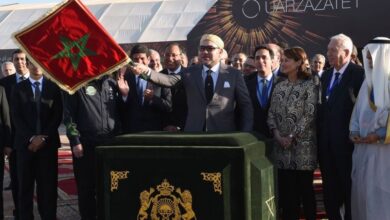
x: 90, y: 90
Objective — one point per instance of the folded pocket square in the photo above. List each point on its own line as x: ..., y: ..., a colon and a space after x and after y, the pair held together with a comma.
x: 226, y: 84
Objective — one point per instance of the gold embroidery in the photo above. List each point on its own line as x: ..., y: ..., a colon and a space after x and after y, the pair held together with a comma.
x: 215, y: 178
x: 167, y: 204
x: 115, y: 177
x: 370, y: 102
x: 387, y: 139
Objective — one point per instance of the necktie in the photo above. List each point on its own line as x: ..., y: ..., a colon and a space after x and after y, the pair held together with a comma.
x: 37, y: 99
x: 264, y: 93
x: 139, y: 89
x: 336, y: 80
x: 209, y: 86
x: 334, y: 84
x: 21, y: 79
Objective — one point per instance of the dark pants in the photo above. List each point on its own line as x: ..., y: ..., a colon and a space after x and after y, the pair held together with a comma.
x: 296, y: 187
x: 84, y: 171
x: 336, y: 182
x: 41, y: 168
x: 13, y: 171
x: 1, y: 184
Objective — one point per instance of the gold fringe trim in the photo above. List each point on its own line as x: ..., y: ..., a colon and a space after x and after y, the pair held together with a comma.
x: 372, y: 105
x: 48, y: 15
x: 387, y: 139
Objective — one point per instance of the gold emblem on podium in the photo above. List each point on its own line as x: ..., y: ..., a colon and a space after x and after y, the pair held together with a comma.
x: 166, y: 203
x: 115, y: 177
x: 215, y: 178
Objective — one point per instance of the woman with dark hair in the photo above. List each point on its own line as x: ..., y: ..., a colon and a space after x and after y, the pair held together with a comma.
x: 291, y: 118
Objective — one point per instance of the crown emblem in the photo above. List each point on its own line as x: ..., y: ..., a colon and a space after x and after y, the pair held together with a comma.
x: 165, y: 188
x: 166, y: 204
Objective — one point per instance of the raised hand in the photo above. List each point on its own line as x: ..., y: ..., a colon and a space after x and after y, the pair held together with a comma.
x: 138, y: 68
x: 122, y: 83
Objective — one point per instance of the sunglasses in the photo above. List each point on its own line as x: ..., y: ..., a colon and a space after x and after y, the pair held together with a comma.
x: 208, y: 48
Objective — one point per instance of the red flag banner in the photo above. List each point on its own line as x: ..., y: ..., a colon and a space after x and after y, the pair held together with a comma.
x: 71, y: 46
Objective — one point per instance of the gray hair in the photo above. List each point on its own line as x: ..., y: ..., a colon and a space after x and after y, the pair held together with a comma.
x: 345, y: 41
x: 319, y: 56
x: 6, y: 63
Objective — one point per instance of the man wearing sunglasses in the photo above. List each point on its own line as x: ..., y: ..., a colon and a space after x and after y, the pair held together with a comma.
x: 217, y: 97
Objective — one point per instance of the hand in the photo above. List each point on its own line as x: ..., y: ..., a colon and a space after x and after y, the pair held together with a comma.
x: 139, y: 69
x: 148, y: 94
x: 355, y: 139
x: 37, y: 143
x: 171, y: 128
x: 7, y: 151
x: 285, y: 142
x: 370, y: 139
x: 122, y: 84
x: 78, y: 150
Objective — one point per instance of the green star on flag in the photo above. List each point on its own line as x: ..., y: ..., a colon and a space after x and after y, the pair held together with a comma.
x: 74, y: 50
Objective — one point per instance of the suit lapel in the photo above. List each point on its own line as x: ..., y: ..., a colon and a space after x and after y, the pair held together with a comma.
x: 253, y: 92
x: 342, y: 84
x: 325, y: 82
x: 222, y: 78
x: 197, y: 77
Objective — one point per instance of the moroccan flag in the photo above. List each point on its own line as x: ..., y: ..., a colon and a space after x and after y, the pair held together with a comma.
x: 71, y: 46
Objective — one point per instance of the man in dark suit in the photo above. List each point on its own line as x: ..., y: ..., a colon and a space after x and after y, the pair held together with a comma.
x: 146, y: 103
x: 213, y: 91
x: 340, y: 87
x: 260, y: 87
x: 22, y: 73
x: 37, y: 114
x: 175, y: 120
x: 5, y: 135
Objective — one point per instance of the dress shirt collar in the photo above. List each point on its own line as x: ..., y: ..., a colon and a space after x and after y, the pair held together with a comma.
x: 215, y: 69
x: 177, y: 71
x: 342, y: 69
x: 25, y: 76
x: 268, y: 78
x: 33, y: 80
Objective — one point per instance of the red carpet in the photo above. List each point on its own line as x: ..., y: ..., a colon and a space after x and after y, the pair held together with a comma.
x: 66, y: 182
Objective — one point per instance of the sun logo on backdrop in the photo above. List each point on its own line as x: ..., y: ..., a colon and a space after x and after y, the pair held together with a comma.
x: 244, y: 24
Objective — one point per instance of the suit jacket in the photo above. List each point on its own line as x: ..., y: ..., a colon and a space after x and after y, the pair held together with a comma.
x: 177, y: 117
x: 5, y: 121
x: 260, y: 114
x: 8, y: 83
x: 149, y: 115
x: 335, y: 112
x: 219, y: 115
x: 25, y: 111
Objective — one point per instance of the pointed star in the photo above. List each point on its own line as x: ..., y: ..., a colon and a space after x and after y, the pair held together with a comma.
x: 74, y: 50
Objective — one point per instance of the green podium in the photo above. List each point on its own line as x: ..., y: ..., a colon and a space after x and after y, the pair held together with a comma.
x: 185, y: 177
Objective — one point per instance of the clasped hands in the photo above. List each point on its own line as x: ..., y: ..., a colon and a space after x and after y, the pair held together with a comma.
x: 369, y: 139
x: 37, y: 142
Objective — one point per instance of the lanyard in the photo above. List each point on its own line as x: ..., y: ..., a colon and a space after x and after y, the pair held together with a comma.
x: 331, y: 87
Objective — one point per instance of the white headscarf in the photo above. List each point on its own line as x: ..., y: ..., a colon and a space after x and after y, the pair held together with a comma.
x: 378, y: 77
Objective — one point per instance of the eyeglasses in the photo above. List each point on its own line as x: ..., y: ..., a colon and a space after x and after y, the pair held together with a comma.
x: 208, y: 48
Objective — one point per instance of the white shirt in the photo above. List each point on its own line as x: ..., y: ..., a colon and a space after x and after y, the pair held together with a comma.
x: 174, y: 72
x: 25, y: 76
x: 214, y: 73
x: 341, y: 71
x: 33, y: 85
